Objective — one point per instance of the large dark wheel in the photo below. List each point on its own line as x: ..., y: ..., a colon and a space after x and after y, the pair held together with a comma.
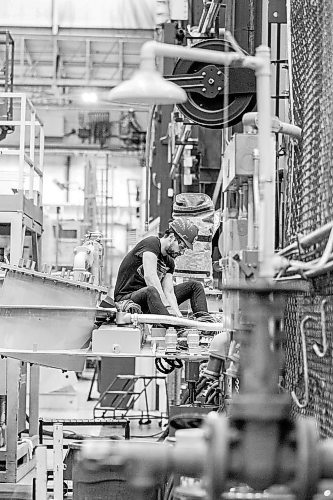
x: 204, y: 83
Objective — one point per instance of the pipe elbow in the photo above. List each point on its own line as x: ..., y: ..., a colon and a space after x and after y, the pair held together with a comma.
x: 147, y: 55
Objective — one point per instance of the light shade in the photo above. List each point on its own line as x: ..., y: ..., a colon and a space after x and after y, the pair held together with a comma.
x: 147, y: 87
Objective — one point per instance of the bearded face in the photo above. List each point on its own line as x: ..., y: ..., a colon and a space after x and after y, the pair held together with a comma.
x: 176, y: 248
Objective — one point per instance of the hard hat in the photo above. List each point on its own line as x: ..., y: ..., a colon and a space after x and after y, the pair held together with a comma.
x: 185, y: 230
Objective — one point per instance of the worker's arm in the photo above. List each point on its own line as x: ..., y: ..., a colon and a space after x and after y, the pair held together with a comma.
x: 167, y: 285
x: 149, y: 262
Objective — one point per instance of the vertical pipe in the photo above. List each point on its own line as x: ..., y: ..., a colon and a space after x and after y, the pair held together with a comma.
x: 106, y: 230
x: 250, y: 216
x: 58, y: 467
x: 7, y: 61
x: 22, y: 143
x: 277, y: 76
x: 93, y: 193
x: 111, y: 220
x: 218, y: 185
x: 266, y: 166
x: 57, y: 239
x: 245, y: 200
x: 41, y: 163
x: 147, y: 164
x: 101, y: 200
x: 41, y: 472
x: 264, y: 22
x: 241, y: 202
x: 12, y: 77
x: 32, y: 154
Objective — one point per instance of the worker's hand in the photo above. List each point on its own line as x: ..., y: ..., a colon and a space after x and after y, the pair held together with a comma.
x: 177, y: 313
x: 174, y: 312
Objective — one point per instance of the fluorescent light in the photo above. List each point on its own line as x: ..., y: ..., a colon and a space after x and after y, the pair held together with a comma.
x: 89, y: 97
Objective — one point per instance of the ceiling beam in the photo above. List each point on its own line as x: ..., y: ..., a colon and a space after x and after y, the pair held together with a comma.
x: 101, y: 35
x: 64, y: 82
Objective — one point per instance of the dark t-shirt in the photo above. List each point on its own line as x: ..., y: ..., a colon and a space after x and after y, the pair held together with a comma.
x: 130, y: 275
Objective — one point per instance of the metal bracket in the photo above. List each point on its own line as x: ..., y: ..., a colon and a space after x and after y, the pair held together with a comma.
x: 305, y: 366
x: 315, y: 346
x: 245, y: 268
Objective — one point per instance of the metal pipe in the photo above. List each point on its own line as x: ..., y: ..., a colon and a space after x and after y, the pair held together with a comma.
x: 217, y: 187
x: 245, y: 200
x: 321, y: 353
x: 241, y: 202
x: 250, y: 216
x: 134, y: 318
x: 148, y: 458
x: 152, y: 49
x: 147, y: 164
x: 173, y: 320
x: 317, y: 272
x: 256, y: 196
x: 55, y: 308
x: 250, y: 122
x: 267, y: 164
x: 311, y: 266
x: 311, y: 273
x: 180, y: 149
x: 210, y: 18
x: 309, y: 239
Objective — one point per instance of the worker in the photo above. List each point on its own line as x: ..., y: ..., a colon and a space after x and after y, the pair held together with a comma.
x: 145, y: 274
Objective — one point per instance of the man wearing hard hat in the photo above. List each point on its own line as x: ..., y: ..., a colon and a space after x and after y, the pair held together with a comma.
x: 145, y: 274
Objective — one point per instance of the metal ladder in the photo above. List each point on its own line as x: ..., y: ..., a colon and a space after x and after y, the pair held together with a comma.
x: 128, y: 391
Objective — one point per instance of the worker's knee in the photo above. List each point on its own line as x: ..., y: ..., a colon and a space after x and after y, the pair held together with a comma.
x: 152, y: 291
x: 197, y: 286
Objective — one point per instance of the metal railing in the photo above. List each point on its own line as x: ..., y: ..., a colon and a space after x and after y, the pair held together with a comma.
x: 28, y: 176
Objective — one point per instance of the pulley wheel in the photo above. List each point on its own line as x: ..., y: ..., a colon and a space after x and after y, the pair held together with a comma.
x: 204, y: 83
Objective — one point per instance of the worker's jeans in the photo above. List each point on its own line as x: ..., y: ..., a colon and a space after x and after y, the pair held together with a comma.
x: 150, y: 301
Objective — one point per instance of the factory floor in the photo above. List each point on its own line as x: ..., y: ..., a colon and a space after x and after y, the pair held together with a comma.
x: 71, y: 402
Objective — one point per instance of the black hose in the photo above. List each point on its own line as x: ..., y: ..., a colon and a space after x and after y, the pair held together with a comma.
x: 166, y: 370
x: 212, y: 398
x: 198, y: 388
x: 210, y: 390
x: 163, y: 369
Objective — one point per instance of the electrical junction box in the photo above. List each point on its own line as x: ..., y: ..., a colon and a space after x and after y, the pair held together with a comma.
x: 117, y: 339
x: 238, y: 160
